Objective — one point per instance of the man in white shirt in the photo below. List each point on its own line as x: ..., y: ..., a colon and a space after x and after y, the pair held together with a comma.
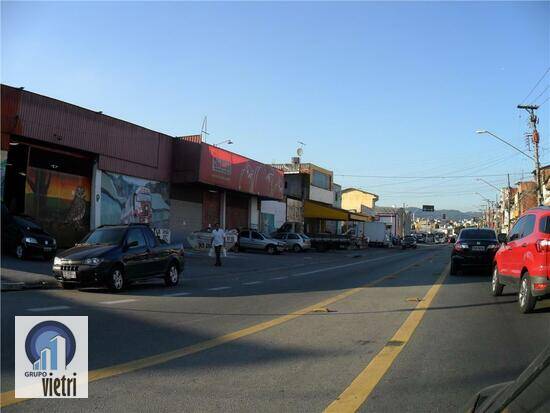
x: 217, y: 242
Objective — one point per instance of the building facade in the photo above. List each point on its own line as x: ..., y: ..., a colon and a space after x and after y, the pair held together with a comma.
x: 73, y: 169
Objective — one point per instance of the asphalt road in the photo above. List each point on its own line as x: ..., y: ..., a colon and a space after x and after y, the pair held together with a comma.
x: 298, y: 332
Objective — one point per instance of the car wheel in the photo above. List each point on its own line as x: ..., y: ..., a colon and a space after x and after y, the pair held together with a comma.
x: 116, y: 280
x: 296, y: 248
x: 67, y: 286
x: 525, y: 298
x: 270, y: 249
x: 172, y: 276
x: 496, y: 286
x: 20, y: 252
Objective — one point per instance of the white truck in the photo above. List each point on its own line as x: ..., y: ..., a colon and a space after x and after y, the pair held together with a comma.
x: 377, y: 234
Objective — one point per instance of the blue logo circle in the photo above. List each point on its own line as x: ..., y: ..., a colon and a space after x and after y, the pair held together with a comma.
x: 42, y: 334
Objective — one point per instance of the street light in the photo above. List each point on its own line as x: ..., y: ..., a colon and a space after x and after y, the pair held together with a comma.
x: 482, y: 131
x: 227, y: 141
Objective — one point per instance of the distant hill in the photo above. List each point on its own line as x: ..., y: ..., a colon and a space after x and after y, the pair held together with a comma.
x: 452, y: 214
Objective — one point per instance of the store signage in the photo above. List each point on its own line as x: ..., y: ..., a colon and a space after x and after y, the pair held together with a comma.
x: 231, y: 171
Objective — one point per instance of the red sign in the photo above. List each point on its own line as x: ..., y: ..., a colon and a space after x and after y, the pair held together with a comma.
x: 231, y: 171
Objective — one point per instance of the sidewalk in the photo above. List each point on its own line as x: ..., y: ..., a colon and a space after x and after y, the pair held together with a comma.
x: 16, y: 274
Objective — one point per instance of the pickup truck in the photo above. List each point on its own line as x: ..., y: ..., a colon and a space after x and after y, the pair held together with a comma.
x: 117, y: 255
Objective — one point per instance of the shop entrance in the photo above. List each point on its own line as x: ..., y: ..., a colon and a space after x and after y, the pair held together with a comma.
x: 51, y: 186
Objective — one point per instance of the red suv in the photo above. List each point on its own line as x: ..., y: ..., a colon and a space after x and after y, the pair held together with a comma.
x: 523, y: 259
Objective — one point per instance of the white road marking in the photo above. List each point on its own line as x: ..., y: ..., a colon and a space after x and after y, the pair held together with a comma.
x: 279, y: 278
x: 53, y: 308
x: 219, y: 288
x: 117, y: 301
x: 253, y: 283
x: 176, y: 294
x: 341, y: 266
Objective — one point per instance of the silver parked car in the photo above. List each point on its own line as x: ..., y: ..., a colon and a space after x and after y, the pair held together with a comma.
x: 294, y: 242
x: 254, y: 240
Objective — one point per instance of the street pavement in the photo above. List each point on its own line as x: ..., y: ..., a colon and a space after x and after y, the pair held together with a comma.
x: 376, y: 330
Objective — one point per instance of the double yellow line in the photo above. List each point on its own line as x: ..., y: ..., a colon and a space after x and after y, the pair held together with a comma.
x: 8, y: 398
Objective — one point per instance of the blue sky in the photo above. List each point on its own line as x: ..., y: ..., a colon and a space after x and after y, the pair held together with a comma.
x: 386, y: 89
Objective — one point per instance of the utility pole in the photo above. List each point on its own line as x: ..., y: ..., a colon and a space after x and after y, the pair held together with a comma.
x: 534, y: 120
x: 508, y: 203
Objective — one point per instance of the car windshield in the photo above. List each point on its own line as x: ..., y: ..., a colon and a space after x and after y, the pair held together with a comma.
x: 26, y: 222
x: 409, y: 238
x: 110, y: 236
x: 304, y: 237
x: 483, y: 234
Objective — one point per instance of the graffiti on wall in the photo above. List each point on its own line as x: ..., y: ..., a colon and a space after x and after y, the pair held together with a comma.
x: 3, y: 162
x: 126, y: 199
x: 60, y: 202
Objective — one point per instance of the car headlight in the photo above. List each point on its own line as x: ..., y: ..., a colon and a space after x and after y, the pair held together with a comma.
x: 57, y: 261
x: 93, y: 261
x: 30, y: 240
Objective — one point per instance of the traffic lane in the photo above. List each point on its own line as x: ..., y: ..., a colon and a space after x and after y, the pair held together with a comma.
x: 300, y: 365
x: 155, y: 324
x: 468, y: 340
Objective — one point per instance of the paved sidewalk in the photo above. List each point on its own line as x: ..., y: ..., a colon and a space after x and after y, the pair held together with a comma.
x: 16, y: 274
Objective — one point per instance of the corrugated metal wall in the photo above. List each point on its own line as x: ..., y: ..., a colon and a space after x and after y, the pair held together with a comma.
x: 122, y: 146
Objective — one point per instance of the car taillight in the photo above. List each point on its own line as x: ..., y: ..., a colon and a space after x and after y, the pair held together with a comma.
x: 460, y: 246
x: 543, y: 245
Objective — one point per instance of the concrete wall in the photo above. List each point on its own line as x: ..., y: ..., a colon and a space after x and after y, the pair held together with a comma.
x: 321, y: 195
x: 353, y: 200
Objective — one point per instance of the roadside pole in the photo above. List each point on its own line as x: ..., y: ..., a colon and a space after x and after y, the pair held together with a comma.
x: 535, y: 137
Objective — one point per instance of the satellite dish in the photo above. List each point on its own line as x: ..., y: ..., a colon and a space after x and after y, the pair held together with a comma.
x: 300, y: 151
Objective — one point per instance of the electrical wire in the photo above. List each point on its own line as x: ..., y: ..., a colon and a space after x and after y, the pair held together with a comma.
x: 541, y: 93
x: 536, y: 84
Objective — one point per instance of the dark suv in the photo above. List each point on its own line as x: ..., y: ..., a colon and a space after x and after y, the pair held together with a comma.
x: 117, y: 255
x: 475, y: 247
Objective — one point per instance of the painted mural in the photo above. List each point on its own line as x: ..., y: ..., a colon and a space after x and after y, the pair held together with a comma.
x: 3, y: 162
x: 126, y: 199
x: 60, y: 202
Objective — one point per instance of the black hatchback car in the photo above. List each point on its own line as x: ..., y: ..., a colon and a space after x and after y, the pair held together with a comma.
x: 117, y: 255
x: 25, y: 237
x: 474, y: 247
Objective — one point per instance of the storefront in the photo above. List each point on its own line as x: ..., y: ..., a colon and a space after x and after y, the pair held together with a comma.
x: 72, y: 169
x: 317, y: 215
x: 231, y: 186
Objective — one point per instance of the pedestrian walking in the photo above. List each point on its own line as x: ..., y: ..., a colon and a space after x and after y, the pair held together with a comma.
x: 217, y: 242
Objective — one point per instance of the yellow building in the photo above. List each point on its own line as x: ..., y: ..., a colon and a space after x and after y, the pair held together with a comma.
x: 357, y: 200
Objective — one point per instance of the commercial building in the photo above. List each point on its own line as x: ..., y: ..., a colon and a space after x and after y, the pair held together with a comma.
x: 73, y: 169
x: 312, y: 189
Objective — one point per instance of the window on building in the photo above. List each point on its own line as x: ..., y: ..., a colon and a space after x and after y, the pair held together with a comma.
x: 320, y: 180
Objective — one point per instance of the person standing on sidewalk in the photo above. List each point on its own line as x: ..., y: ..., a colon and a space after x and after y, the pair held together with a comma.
x: 217, y: 242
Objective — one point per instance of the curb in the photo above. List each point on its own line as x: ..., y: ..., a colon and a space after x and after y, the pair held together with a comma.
x: 18, y: 286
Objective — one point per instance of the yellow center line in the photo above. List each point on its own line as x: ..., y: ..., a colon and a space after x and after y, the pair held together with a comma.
x: 362, y: 386
x: 8, y: 398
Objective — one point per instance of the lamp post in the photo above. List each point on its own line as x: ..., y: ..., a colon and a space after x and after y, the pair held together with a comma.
x: 507, y: 200
x: 227, y: 141
x: 534, y: 159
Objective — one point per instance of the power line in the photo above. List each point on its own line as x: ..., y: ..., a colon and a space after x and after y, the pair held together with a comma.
x: 534, y: 87
x: 427, y: 177
x: 544, y: 101
x: 541, y: 93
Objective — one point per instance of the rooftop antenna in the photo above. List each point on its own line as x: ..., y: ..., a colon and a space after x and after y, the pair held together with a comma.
x: 204, y: 128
